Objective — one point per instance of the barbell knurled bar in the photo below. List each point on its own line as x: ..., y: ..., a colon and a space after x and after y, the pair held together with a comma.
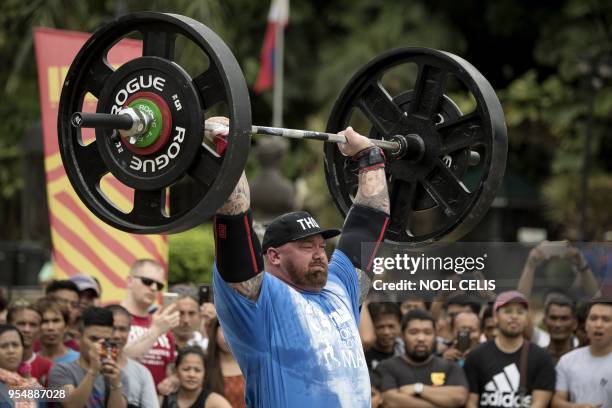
x: 137, y: 123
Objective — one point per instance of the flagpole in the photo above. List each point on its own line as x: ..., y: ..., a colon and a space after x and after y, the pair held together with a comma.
x: 277, y: 107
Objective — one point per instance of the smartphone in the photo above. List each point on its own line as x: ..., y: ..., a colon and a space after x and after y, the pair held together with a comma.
x: 204, y: 293
x: 463, y: 340
x: 169, y: 298
x: 108, y: 351
x: 556, y: 249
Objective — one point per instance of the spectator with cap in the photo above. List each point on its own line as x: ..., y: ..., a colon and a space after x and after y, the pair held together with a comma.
x: 27, y: 319
x: 584, y: 375
x: 509, y: 371
x: 90, y: 290
x: 419, y: 378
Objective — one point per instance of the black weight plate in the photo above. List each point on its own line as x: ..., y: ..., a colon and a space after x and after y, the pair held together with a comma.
x: 212, y: 178
x: 161, y: 168
x: 440, y: 176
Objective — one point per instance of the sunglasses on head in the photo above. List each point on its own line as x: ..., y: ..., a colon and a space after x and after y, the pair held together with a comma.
x: 149, y: 282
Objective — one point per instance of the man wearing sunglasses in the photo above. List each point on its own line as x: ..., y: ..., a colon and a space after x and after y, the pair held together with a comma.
x: 150, y: 340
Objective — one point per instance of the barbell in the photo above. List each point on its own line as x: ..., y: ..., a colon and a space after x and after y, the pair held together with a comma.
x: 443, y: 168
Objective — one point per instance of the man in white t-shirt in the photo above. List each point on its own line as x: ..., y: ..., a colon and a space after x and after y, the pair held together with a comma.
x: 190, y: 321
x: 584, y: 376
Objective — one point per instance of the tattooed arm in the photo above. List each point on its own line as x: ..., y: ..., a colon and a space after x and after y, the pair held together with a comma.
x: 372, y: 190
x: 367, y: 220
x: 239, y: 201
x: 237, y: 204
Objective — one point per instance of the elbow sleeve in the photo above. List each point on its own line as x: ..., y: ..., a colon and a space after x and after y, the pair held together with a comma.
x: 237, y: 248
x: 363, y: 224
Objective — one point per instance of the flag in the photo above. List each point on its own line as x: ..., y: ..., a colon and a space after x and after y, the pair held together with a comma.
x: 278, y: 16
x: 81, y: 242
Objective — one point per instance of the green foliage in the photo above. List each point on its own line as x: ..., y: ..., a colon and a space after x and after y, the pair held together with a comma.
x: 561, y: 193
x: 556, y: 110
x: 530, y: 51
x: 191, y: 256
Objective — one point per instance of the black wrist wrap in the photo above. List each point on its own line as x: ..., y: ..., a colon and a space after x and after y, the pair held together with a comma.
x: 363, y: 224
x: 237, y: 248
x: 369, y: 159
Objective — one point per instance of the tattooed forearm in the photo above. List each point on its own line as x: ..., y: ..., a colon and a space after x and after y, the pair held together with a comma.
x: 250, y: 288
x: 240, y: 199
x: 373, y: 191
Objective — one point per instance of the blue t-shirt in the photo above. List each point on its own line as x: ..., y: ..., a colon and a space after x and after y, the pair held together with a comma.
x: 69, y: 357
x: 298, y: 349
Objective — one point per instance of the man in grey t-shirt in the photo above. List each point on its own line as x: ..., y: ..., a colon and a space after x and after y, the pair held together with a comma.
x: 584, y: 376
x: 141, y: 387
x: 94, y: 380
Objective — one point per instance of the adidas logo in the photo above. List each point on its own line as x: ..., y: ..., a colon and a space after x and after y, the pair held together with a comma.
x: 502, y: 390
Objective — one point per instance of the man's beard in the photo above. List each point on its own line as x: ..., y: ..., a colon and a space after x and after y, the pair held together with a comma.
x: 511, y: 334
x: 313, y: 278
x: 419, y: 356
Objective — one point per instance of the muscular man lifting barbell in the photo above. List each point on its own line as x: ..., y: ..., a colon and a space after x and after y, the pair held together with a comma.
x: 292, y: 329
x: 290, y: 318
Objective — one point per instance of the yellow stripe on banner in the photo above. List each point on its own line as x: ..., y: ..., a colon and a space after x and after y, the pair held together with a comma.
x: 53, y: 83
x: 77, y: 226
x: 134, y: 246
x: 110, y: 293
x: 62, y: 184
x: 53, y: 161
x: 115, y: 196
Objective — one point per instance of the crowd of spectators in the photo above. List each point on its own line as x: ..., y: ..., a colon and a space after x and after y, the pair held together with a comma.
x: 488, y: 356
x: 464, y: 350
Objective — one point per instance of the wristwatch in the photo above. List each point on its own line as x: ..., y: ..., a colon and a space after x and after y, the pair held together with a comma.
x: 418, y: 389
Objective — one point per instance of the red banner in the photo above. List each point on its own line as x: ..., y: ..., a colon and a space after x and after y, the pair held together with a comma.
x: 81, y: 242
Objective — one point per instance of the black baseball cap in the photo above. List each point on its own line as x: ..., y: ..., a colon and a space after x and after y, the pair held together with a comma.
x: 293, y: 226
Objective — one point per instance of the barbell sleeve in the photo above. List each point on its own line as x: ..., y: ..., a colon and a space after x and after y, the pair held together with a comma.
x: 101, y: 120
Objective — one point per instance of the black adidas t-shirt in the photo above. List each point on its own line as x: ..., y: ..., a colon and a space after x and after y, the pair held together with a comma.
x: 397, y: 372
x: 495, y: 375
